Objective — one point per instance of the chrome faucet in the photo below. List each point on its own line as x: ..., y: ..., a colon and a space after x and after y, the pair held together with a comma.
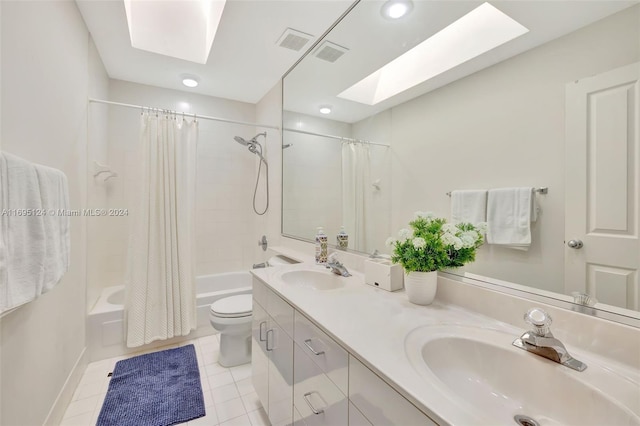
x: 336, y: 267
x: 541, y: 342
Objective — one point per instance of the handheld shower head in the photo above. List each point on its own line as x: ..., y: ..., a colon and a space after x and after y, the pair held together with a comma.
x: 241, y: 140
x: 255, y: 148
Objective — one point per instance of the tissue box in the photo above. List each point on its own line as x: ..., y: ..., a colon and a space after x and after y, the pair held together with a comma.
x: 383, y: 274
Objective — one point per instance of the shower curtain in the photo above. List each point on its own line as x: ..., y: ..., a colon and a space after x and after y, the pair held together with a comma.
x: 356, y: 192
x: 160, y: 292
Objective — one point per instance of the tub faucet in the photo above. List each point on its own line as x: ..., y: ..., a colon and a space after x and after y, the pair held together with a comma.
x: 336, y: 267
x: 540, y: 341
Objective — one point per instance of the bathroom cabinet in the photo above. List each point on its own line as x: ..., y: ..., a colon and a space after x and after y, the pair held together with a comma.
x: 272, y: 354
x: 304, y: 377
x: 321, y: 370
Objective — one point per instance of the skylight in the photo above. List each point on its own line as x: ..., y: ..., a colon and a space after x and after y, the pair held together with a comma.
x: 477, y: 32
x: 181, y: 29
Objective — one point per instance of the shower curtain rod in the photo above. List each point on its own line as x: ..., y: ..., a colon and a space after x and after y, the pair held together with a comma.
x: 340, y: 138
x: 186, y: 114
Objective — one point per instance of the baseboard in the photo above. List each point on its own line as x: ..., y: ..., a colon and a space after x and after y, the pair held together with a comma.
x: 66, y: 393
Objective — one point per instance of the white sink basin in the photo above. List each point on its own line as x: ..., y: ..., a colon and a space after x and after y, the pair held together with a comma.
x: 483, y: 372
x: 315, y: 280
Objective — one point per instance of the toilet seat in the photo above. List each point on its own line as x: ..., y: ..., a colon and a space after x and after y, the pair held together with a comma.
x: 233, y: 307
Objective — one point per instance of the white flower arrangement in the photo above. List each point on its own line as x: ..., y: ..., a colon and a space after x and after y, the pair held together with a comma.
x: 433, y: 244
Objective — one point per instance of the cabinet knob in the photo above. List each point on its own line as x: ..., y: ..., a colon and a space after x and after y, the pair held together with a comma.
x: 307, y: 343
x: 268, y: 340
x: 313, y: 409
x: 262, y: 339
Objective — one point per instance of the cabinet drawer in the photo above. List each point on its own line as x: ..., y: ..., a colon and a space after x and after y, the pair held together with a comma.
x: 332, y: 359
x: 280, y: 311
x: 316, y: 398
x: 259, y: 292
x: 378, y: 401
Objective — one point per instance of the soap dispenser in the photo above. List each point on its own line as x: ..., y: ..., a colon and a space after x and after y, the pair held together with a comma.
x: 342, y: 239
x: 321, y: 246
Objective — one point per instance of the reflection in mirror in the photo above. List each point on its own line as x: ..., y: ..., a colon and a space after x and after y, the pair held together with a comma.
x: 334, y: 177
x: 555, y: 107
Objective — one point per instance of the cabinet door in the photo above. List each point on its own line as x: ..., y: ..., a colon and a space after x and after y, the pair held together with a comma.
x: 280, y: 311
x: 280, y: 349
x: 318, y: 400
x: 378, y: 401
x: 260, y: 292
x: 259, y: 354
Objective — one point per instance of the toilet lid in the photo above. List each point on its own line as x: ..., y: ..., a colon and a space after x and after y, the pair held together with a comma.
x: 233, y: 306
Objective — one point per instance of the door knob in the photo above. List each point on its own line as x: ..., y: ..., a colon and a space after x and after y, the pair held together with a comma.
x: 575, y: 244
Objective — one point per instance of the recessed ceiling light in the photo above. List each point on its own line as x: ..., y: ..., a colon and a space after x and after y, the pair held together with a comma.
x: 395, y: 9
x: 477, y: 32
x: 190, y: 81
x: 325, y: 110
x: 180, y: 29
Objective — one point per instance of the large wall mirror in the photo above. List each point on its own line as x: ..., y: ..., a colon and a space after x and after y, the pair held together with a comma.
x: 506, y: 94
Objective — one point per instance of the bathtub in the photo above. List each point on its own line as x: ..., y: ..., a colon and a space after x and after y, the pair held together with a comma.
x: 105, y: 325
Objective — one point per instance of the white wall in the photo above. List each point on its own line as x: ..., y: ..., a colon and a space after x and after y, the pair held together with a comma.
x: 97, y: 151
x: 377, y: 221
x: 312, y: 176
x: 269, y: 112
x: 226, y: 177
x: 45, y: 85
x: 504, y: 126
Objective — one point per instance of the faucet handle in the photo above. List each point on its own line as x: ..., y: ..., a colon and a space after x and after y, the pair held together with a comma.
x: 539, y: 319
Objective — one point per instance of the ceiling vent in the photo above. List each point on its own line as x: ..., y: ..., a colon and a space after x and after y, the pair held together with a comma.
x: 329, y: 52
x: 293, y: 39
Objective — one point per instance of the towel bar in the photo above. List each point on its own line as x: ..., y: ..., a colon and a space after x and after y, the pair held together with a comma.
x: 541, y: 190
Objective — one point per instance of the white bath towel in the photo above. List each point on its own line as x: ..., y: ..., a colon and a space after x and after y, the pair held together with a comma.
x: 54, y: 194
x: 23, y: 251
x: 469, y: 206
x: 509, y: 214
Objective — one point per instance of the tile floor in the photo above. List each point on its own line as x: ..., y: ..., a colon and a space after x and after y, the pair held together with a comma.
x: 229, y: 397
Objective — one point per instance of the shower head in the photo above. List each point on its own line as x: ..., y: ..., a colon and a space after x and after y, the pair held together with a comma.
x: 253, y: 144
x: 255, y: 148
x: 241, y: 140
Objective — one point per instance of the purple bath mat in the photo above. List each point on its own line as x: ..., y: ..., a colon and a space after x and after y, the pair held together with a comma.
x: 157, y: 389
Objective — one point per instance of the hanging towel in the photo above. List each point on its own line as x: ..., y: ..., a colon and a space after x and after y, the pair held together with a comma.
x: 23, y: 239
x: 469, y: 206
x: 55, y: 198
x: 34, y: 243
x: 509, y: 214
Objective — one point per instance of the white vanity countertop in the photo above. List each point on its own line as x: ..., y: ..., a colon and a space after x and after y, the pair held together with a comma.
x: 373, y: 324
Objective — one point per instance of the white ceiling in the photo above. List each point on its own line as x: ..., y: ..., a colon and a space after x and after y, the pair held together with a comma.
x: 244, y: 63
x: 374, y: 41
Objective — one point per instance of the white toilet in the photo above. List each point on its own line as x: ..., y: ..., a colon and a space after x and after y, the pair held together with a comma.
x: 231, y: 316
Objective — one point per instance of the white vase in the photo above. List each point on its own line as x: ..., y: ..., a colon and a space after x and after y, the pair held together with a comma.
x: 421, y: 286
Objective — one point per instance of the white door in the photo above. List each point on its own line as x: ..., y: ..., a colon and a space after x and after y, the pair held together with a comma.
x: 602, y: 188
